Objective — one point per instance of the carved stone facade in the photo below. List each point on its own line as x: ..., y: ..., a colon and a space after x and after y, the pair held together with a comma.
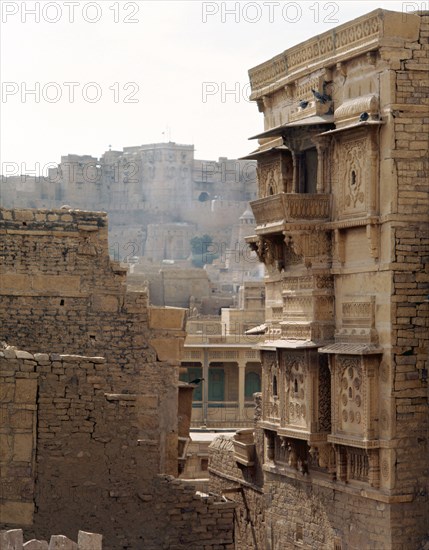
x: 342, y: 231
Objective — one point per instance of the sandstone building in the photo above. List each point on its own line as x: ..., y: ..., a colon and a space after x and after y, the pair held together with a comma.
x: 219, y: 350
x: 342, y: 227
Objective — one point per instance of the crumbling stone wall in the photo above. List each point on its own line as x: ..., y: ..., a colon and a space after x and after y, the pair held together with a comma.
x: 182, y: 519
x: 61, y: 293
x: 73, y: 458
x: 243, y: 485
x: 238, y: 484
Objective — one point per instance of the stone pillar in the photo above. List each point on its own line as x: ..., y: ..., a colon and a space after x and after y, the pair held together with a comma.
x: 321, y: 154
x: 241, y: 386
x: 341, y: 460
x: 205, y: 383
x: 295, y: 177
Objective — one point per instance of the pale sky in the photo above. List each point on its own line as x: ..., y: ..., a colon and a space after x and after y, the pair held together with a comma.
x: 138, y: 69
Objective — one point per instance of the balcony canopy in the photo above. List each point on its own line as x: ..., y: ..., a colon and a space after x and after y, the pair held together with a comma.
x: 282, y: 130
x: 255, y: 155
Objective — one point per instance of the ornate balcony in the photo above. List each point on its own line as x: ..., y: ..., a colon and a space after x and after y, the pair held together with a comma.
x: 291, y: 207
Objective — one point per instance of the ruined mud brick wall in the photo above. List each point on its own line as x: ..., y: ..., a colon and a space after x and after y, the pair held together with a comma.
x: 182, y: 519
x: 61, y: 293
x: 72, y: 454
x: 72, y: 459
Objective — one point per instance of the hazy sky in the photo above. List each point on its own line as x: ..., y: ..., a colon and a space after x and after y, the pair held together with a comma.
x: 122, y: 73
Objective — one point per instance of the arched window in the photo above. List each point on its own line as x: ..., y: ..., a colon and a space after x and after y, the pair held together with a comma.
x: 252, y: 384
x: 203, y: 197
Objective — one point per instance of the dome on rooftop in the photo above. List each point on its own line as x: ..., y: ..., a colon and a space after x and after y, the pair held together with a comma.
x: 247, y: 216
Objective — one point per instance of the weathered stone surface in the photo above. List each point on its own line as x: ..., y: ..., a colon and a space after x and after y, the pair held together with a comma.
x: 17, y: 513
x: 89, y: 541
x: 60, y: 542
x: 24, y: 355
x: 25, y: 390
x: 36, y: 545
x: 11, y: 540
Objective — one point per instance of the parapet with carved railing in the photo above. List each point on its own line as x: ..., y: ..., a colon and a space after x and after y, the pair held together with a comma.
x: 292, y: 207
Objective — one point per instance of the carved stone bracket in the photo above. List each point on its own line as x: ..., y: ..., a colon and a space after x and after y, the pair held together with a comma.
x: 269, y: 252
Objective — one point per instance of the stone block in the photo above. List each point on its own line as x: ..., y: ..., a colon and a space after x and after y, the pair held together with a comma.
x: 168, y: 349
x: 147, y: 401
x: 21, y: 419
x: 7, y: 392
x: 6, y: 447
x: 89, y: 541
x: 61, y: 542
x: 41, y: 357
x: 16, y: 513
x: 24, y: 355
x: 24, y: 215
x: 34, y: 544
x: 25, y: 390
x: 12, y: 539
x: 56, y: 283
x: 105, y: 303
x: 172, y: 318
x: 23, y: 447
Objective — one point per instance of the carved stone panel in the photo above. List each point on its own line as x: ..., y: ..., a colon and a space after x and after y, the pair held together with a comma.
x: 387, y: 468
x: 357, y: 320
x: 275, y: 174
x: 271, y: 387
x: 297, y: 389
x: 355, y: 406
x: 351, y: 395
x: 354, y: 175
x: 324, y: 395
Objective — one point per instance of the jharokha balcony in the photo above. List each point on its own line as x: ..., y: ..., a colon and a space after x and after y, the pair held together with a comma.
x: 284, y: 208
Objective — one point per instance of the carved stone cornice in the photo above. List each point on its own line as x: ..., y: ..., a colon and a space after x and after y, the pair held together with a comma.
x: 365, y: 34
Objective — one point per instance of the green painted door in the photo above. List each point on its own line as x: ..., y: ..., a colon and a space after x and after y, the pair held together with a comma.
x: 252, y: 384
x: 216, y: 384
